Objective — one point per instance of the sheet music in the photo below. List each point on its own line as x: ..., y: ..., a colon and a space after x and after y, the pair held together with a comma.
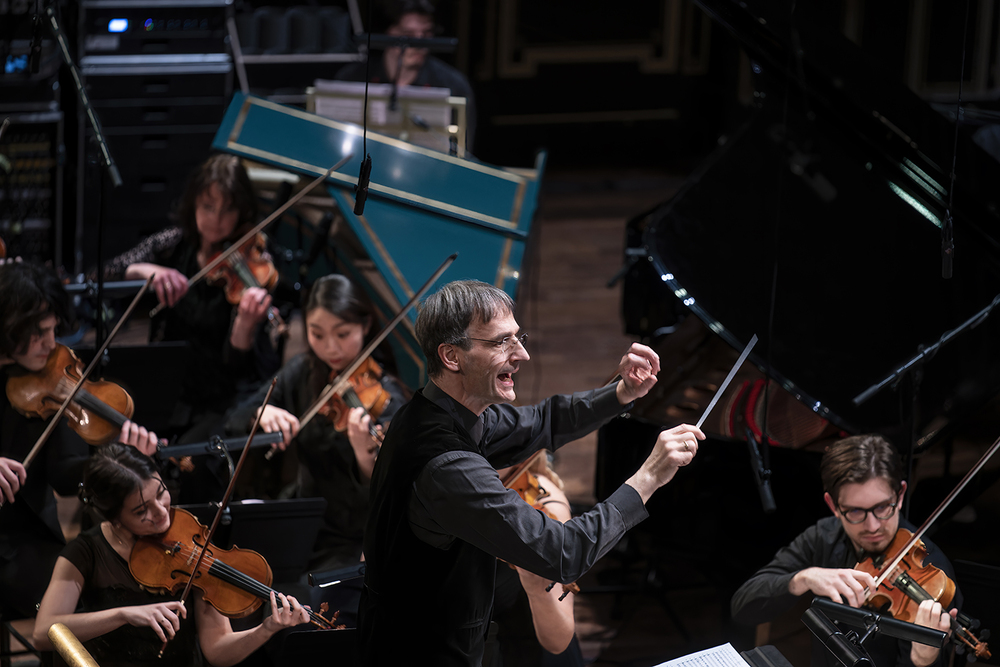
x: 720, y: 656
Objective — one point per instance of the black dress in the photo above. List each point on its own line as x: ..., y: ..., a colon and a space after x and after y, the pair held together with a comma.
x: 108, y: 584
x: 327, y: 465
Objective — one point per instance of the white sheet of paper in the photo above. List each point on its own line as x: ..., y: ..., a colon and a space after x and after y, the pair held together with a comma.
x: 720, y: 656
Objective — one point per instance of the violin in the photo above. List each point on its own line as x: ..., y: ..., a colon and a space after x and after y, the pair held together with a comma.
x: 910, y: 582
x: 97, y: 412
x: 249, y: 266
x: 527, y: 485
x: 234, y: 581
x: 365, y: 391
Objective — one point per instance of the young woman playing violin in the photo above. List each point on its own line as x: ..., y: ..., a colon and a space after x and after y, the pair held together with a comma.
x: 34, y: 308
x: 229, y: 349
x: 121, y: 623
x: 335, y: 464
x: 862, y: 477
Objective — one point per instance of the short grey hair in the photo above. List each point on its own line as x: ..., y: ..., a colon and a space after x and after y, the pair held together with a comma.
x: 446, y: 315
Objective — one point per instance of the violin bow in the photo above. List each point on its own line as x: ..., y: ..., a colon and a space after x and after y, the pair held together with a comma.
x: 345, y: 375
x: 224, y: 255
x: 935, y: 515
x: 93, y: 363
x: 225, y: 500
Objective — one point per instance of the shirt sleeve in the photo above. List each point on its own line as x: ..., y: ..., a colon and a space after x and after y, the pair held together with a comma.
x: 514, y: 433
x: 148, y: 250
x: 765, y: 595
x: 459, y: 495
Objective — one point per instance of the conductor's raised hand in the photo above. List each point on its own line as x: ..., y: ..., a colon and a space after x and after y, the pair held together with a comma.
x: 674, y: 448
x: 638, y: 370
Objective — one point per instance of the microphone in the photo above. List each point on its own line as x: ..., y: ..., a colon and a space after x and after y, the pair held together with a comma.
x: 761, y: 473
x: 35, y: 53
x: 361, y: 189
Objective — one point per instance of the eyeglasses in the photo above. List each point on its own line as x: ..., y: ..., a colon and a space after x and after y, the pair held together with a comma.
x: 857, y: 515
x: 506, y: 344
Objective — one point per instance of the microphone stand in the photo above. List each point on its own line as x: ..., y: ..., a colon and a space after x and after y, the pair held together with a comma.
x: 915, y: 367
x: 107, y: 162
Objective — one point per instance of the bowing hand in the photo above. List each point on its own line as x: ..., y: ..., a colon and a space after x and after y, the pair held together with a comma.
x: 170, y: 285
x: 12, y: 478
x: 274, y: 420
x: 638, y: 370
x: 163, y: 617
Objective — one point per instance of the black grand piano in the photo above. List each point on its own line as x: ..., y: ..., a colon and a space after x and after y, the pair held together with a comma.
x: 817, y: 225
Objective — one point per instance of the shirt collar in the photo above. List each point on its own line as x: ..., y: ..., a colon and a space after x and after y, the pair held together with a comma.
x: 461, y: 414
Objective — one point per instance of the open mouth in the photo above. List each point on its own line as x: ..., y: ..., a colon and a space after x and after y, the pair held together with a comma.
x: 506, y: 379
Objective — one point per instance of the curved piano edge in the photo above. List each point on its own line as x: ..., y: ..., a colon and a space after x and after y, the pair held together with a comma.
x: 717, y: 327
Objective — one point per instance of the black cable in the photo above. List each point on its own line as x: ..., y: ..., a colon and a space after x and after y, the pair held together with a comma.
x: 364, y: 176
x: 765, y: 439
x: 948, y: 227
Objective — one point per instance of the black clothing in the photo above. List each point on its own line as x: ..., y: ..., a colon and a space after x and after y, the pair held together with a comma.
x: 30, y: 535
x: 434, y: 74
x: 440, y: 517
x: 215, y: 374
x: 108, y: 584
x: 765, y: 595
x: 518, y: 642
x: 328, y: 467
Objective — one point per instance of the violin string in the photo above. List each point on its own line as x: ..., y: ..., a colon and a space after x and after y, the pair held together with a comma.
x: 237, y: 578
x: 90, y: 402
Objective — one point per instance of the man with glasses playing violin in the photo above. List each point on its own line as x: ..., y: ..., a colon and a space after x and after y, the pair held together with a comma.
x: 440, y: 516
x: 864, y: 489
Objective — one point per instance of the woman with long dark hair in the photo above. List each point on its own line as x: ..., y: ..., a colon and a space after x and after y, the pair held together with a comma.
x: 334, y: 465
x: 228, y: 350
x: 121, y: 623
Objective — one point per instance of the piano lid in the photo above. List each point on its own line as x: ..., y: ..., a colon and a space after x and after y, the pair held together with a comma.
x: 422, y: 206
x: 830, y: 203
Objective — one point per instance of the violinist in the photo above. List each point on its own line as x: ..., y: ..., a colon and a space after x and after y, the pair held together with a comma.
x: 440, y: 516
x: 535, y: 620
x: 333, y: 464
x: 119, y: 622
x: 864, y: 490
x: 229, y: 350
x: 34, y: 308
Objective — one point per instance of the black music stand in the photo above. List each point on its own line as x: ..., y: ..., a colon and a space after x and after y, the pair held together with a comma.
x: 765, y: 656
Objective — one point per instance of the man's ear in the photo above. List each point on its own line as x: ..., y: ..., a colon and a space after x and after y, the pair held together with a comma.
x: 449, y: 357
x: 829, y: 503
x: 902, y: 492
